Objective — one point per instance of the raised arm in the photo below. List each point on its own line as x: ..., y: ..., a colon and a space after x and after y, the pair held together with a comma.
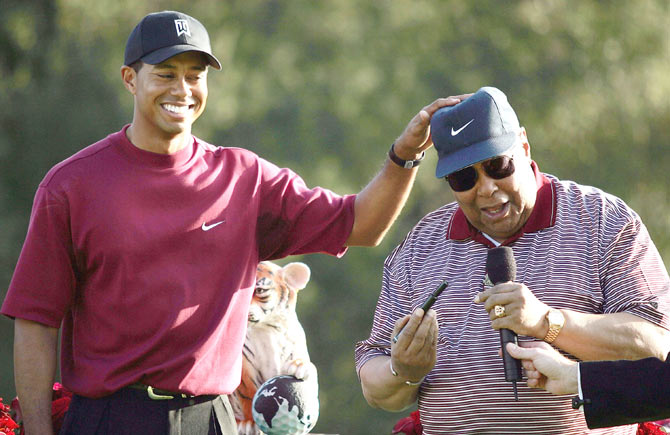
x: 379, y: 203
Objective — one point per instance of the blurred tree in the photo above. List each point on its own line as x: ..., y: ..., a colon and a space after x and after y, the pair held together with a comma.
x: 324, y: 88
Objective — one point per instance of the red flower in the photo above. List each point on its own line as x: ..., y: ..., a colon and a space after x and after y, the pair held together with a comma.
x: 60, y: 397
x: 650, y: 429
x: 7, y: 425
x: 61, y: 402
x: 412, y: 426
x: 409, y: 425
x: 16, y: 413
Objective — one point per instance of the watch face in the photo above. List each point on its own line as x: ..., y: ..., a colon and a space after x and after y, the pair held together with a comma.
x: 555, y: 317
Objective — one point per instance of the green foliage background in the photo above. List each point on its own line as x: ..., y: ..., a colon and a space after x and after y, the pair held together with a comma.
x: 324, y: 87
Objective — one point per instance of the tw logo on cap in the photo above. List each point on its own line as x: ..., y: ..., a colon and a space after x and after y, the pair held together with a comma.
x: 182, y: 27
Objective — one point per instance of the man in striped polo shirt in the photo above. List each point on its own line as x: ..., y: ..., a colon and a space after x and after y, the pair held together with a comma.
x: 589, y: 280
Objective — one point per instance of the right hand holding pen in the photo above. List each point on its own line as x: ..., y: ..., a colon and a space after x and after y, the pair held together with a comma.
x: 414, y: 355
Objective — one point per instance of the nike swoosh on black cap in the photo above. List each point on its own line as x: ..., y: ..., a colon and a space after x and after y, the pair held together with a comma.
x: 492, y: 129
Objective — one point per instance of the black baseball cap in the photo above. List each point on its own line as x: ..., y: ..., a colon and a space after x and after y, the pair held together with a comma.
x: 481, y: 127
x: 161, y: 35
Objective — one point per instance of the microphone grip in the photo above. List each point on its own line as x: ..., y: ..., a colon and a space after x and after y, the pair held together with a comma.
x: 512, y: 366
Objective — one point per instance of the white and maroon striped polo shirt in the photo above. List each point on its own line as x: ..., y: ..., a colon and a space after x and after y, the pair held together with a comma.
x: 581, y: 249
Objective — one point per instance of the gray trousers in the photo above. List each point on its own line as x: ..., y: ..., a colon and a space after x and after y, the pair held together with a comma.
x: 131, y: 411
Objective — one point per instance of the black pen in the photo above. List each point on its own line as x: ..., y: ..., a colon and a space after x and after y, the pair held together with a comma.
x: 426, y: 305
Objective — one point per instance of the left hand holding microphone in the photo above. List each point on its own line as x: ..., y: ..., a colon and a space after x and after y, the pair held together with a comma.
x: 513, y: 306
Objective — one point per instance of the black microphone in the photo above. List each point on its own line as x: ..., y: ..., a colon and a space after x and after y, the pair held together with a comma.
x: 501, y: 267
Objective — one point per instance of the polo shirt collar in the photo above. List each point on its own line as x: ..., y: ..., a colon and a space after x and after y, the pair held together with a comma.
x: 543, y: 215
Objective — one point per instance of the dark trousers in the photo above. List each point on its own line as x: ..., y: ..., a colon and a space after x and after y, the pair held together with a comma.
x: 131, y: 411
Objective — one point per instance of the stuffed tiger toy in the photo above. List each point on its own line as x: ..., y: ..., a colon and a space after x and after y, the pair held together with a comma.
x: 275, y: 342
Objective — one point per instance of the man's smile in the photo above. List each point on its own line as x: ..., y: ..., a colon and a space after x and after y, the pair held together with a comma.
x: 177, y: 109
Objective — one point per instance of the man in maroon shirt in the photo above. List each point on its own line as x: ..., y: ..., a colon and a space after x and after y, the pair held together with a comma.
x: 142, y: 249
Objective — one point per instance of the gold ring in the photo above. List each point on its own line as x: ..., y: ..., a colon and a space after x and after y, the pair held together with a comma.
x: 499, y: 311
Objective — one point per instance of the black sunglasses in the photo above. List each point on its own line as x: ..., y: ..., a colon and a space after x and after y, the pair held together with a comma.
x: 497, y: 168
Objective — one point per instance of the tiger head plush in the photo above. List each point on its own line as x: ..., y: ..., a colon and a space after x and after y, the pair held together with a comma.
x: 275, y: 342
x: 277, y: 289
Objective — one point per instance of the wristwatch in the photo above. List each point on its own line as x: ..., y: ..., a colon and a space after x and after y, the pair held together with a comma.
x: 556, y: 321
x: 407, y: 164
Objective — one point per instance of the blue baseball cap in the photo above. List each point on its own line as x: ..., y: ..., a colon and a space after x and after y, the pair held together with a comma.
x: 161, y: 35
x: 481, y: 127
